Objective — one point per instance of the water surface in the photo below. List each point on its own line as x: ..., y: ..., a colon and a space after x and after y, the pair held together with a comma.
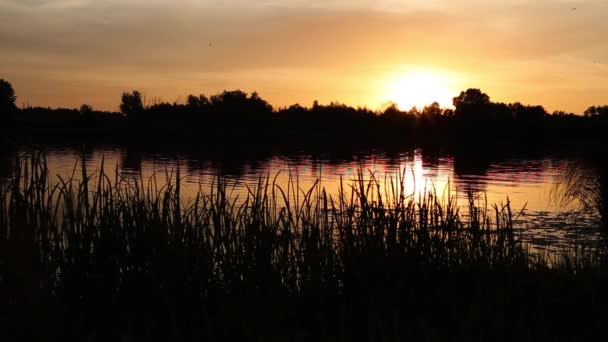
x: 529, y: 184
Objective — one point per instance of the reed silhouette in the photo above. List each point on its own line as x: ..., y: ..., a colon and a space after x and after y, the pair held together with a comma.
x: 584, y: 183
x: 94, y: 257
x: 99, y: 258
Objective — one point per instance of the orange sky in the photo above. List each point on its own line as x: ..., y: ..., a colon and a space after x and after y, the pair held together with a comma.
x: 69, y: 52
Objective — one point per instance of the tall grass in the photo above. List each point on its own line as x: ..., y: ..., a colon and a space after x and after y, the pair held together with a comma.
x: 92, y: 246
x: 584, y: 187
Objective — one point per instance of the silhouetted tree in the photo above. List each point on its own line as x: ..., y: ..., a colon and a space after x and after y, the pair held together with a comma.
x: 259, y: 105
x: 231, y: 98
x: 132, y: 104
x: 391, y: 111
x: 197, y: 103
x: 597, y: 111
x: 472, y: 103
x: 238, y: 103
x: 7, y: 101
x: 471, y: 96
x: 561, y: 113
x: 239, y: 114
x: 432, y: 111
x: 414, y: 112
x: 428, y: 119
x: 86, y: 112
x: 85, y: 108
x: 448, y: 112
x: 528, y: 113
x: 295, y: 109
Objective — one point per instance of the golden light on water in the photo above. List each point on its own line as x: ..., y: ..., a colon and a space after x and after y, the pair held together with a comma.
x: 419, y: 88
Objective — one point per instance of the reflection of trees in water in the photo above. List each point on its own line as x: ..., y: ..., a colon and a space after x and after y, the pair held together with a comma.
x: 584, y: 185
x: 471, y: 164
x: 7, y: 160
x: 471, y: 170
x: 430, y: 161
x: 130, y: 160
x: 7, y: 163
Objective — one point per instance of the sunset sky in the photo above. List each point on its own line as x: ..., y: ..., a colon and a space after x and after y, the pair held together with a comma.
x: 62, y: 53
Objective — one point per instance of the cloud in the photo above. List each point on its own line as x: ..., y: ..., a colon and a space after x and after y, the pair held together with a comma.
x: 109, y: 43
x: 45, y: 4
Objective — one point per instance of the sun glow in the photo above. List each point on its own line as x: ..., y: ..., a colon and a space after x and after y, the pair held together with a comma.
x: 420, y: 88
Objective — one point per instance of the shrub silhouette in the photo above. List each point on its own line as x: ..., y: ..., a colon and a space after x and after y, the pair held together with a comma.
x: 132, y: 104
x: 7, y: 101
x: 597, y: 112
x: 471, y: 104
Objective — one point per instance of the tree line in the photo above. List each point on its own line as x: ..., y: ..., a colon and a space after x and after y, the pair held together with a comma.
x: 239, y: 114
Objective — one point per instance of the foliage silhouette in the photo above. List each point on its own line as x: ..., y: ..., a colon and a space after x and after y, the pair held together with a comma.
x: 597, y: 111
x: 132, y: 104
x: 471, y: 96
x: 472, y: 105
x: 7, y: 102
x: 248, y: 118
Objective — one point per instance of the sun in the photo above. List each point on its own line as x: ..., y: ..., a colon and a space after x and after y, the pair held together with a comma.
x: 420, y: 88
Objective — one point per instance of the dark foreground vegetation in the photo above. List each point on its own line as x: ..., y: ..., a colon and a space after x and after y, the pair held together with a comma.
x: 127, y: 259
x: 235, y: 117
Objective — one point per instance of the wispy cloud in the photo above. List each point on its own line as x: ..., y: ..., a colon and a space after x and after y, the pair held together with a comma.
x: 114, y: 44
x: 46, y: 4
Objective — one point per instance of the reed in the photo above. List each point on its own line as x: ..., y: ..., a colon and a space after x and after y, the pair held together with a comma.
x: 121, y: 255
